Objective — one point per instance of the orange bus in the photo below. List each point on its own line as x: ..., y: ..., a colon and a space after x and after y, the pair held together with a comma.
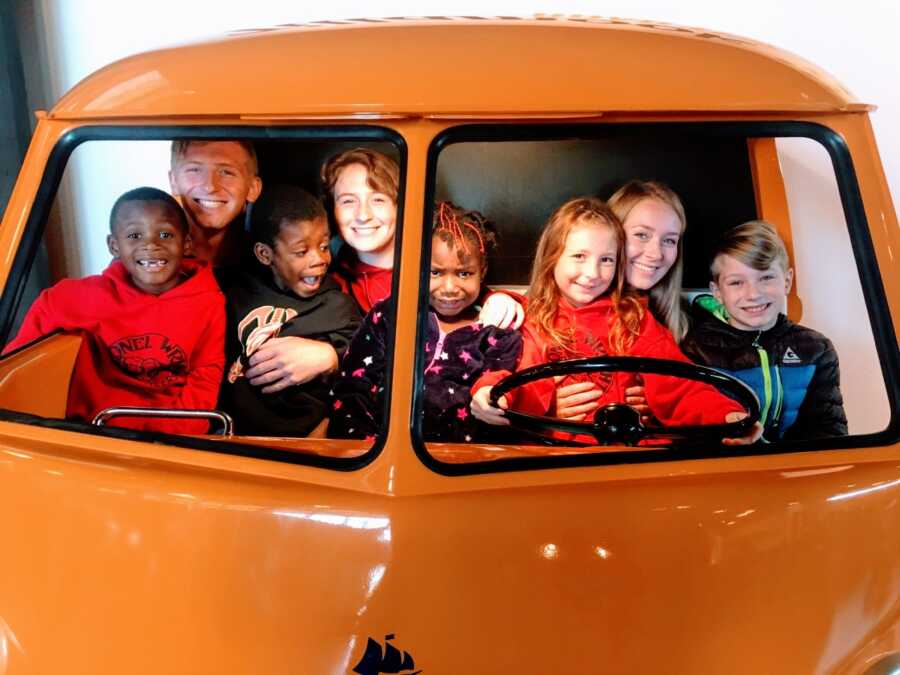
x: 144, y: 552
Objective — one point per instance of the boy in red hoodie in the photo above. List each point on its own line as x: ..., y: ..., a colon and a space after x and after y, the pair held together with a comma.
x: 153, y: 324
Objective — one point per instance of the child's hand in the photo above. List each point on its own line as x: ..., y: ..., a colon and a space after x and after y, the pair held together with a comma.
x: 636, y: 397
x: 502, y: 311
x: 283, y: 362
x: 752, y: 434
x: 484, y: 411
x: 577, y: 400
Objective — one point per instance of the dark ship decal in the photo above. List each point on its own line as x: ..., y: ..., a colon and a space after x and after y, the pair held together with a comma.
x: 375, y: 661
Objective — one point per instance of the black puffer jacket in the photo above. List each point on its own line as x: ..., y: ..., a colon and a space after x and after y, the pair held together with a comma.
x: 793, y: 370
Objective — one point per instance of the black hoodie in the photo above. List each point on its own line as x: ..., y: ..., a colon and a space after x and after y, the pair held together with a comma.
x: 258, y: 310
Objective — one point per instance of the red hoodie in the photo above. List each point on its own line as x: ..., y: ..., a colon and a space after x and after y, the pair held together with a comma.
x: 138, y: 349
x: 673, y: 400
x: 366, y: 283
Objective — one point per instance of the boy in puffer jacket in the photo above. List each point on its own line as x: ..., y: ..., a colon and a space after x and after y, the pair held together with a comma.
x: 741, y: 329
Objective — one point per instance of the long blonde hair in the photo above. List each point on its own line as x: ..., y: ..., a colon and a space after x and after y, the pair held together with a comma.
x: 665, y: 296
x: 544, y: 295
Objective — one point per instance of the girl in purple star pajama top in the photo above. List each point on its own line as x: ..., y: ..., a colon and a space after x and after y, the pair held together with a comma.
x: 458, y: 349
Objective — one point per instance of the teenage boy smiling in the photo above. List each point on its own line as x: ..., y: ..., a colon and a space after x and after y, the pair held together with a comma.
x: 215, y: 180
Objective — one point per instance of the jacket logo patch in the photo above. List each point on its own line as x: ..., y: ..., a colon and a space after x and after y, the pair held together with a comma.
x: 254, y: 329
x: 151, y: 358
x: 376, y: 661
x: 790, y: 356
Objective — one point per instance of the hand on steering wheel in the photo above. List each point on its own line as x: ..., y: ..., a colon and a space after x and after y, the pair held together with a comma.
x: 618, y: 423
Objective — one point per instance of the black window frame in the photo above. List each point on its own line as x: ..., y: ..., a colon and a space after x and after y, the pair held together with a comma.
x: 870, y: 277
x: 36, y: 225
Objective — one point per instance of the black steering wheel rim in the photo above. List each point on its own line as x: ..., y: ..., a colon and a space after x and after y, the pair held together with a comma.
x: 619, y: 423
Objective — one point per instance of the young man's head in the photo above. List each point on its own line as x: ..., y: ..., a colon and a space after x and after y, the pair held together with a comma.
x: 148, y: 233
x: 751, y: 275
x: 214, y: 179
x: 364, y: 185
x: 290, y: 236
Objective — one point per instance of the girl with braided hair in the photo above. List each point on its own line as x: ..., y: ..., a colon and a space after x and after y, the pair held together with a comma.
x: 458, y: 347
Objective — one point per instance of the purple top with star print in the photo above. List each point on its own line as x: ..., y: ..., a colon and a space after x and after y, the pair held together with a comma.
x: 454, y: 361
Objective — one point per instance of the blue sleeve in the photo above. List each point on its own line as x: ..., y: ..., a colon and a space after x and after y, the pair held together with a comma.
x: 821, y: 414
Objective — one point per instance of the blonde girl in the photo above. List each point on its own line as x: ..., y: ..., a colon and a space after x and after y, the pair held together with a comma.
x: 652, y: 217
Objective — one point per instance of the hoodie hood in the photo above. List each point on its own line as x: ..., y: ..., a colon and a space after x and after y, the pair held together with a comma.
x: 196, y: 278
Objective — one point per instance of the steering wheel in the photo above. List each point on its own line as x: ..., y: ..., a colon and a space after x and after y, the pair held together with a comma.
x: 618, y: 423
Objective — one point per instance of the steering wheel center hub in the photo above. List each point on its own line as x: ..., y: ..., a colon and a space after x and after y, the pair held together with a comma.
x: 617, y: 423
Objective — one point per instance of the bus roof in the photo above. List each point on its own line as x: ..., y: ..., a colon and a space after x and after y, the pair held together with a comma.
x: 466, y: 67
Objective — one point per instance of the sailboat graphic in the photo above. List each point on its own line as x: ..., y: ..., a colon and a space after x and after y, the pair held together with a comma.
x: 374, y: 662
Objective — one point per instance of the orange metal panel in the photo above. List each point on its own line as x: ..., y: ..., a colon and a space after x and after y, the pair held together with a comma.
x: 484, y: 67
x: 35, y: 379
x: 119, y: 566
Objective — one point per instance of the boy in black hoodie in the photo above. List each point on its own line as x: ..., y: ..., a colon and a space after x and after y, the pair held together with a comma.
x: 288, y: 295
x: 793, y: 369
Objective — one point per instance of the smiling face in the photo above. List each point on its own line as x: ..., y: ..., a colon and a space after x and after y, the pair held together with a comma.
x: 365, y: 217
x: 652, y: 232
x: 214, y: 180
x: 753, y: 298
x: 300, y: 257
x: 455, y: 279
x: 149, y: 239
x: 587, y: 265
